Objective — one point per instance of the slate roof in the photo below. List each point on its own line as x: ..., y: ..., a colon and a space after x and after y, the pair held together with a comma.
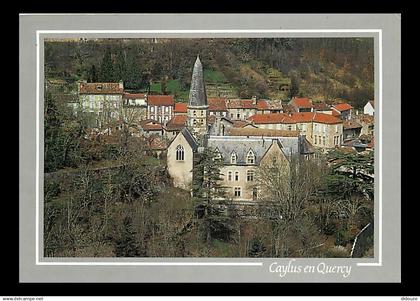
x: 190, y: 138
x: 350, y: 124
x: 198, y: 95
x: 241, y: 104
x: 321, y: 106
x: 241, y: 146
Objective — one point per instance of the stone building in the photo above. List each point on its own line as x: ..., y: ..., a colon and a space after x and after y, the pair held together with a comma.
x: 103, y: 101
x: 369, y: 108
x: 160, y: 107
x: 134, y: 107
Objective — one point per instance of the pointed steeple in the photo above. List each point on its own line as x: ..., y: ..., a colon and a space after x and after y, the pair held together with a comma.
x: 198, y: 95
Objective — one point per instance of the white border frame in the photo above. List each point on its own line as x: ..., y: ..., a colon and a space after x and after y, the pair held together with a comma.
x: 38, y: 32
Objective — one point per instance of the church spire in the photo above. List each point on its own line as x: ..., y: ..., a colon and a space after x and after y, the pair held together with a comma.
x: 198, y: 95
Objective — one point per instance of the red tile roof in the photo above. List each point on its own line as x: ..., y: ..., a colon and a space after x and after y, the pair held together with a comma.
x: 262, y: 105
x: 271, y: 118
x: 100, y: 88
x: 180, y: 107
x: 315, y: 117
x: 342, y: 107
x: 335, y: 113
x: 261, y: 132
x: 160, y: 100
x: 303, y: 103
x: 241, y: 104
x: 321, y: 106
x: 240, y: 123
x: 134, y: 95
x: 151, y: 125
x: 217, y: 104
x: 177, y: 122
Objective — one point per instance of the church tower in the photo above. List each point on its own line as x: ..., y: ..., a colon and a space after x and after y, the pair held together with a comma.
x: 197, y: 109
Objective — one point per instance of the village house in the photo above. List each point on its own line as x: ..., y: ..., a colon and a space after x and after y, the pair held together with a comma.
x: 217, y: 107
x: 369, y: 108
x: 160, y: 107
x: 321, y: 130
x: 274, y: 121
x: 351, y: 129
x: 322, y: 107
x: 241, y: 108
x: 367, y: 122
x: 103, y: 101
x: 342, y: 110
x: 175, y: 125
x: 301, y: 104
x: 150, y: 127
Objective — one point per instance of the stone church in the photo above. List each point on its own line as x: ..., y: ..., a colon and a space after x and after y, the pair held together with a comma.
x: 243, y: 151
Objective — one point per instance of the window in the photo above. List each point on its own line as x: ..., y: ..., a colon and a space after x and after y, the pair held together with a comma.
x: 323, y: 140
x: 237, y: 191
x: 250, y: 157
x: 250, y: 176
x: 202, y: 113
x: 194, y: 122
x: 180, y: 153
x: 229, y: 176
x: 238, y: 116
x: 336, y: 128
x: 315, y: 139
x: 233, y: 158
x: 194, y: 113
x: 254, y: 192
x: 236, y: 175
x: 289, y: 127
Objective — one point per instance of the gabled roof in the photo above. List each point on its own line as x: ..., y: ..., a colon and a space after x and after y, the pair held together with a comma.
x: 180, y: 107
x: 372, y: 103
x: 160, y: 100
x: 217, y: 104
x: 302, y: 103
x: 321, y: 106
x: 190, y: 138
x: 100, y: 88
x: 177, y: 122
x: 342, y: 107
x: 271, y: 118
x: 262, y: 105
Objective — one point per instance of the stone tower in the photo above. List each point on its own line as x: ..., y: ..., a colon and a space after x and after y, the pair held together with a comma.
x: 197, y: 108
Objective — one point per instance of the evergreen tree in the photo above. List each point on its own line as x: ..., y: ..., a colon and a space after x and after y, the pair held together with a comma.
x: 206, y: 191
x: 93, y: 74
x: 126, y: 245
x: 121, y: 67
x: 294, y: 87
x: 107, y: 72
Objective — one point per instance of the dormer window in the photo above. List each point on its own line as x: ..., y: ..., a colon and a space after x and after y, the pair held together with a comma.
x: 233, y: 158
x: 250, y: 157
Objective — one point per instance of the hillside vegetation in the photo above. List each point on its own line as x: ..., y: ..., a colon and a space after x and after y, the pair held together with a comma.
x: 320, y: 68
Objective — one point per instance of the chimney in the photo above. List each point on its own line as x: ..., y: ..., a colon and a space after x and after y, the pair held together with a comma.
x: 254, y: 100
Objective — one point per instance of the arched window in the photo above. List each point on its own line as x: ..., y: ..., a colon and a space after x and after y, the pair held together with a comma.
x: 229, y: 176
x: 233, y: 158
x: 236, y: 175
x: 180, y: 153
x: 250, y: 157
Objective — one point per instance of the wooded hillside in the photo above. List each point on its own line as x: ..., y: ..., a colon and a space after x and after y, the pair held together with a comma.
x: 320, y: 68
